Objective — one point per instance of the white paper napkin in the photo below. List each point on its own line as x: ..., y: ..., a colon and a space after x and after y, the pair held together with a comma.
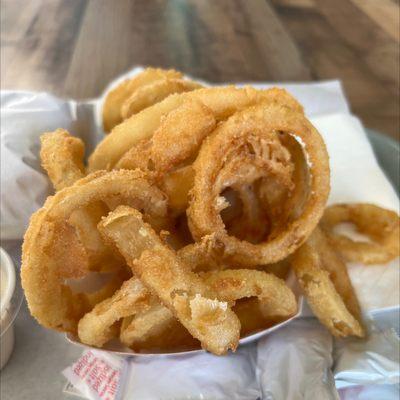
x: 283, y: 362
x: 201, y: 376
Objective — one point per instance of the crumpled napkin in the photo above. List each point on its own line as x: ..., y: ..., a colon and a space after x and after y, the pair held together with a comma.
x: 373, y: 361
x: 356, y: 176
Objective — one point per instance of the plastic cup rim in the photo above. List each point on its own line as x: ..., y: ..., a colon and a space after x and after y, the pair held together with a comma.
x: 9, y: 269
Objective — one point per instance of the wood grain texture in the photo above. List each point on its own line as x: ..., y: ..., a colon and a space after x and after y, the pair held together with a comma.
x: 332, y: 47
x: 74, y: 48
x: 384, y: 12
x: 37, y: 44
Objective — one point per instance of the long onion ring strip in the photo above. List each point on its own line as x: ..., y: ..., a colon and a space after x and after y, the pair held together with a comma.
x: 327, y: 286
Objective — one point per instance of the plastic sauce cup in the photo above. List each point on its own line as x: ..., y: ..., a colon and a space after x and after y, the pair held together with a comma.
x: 7, y: 310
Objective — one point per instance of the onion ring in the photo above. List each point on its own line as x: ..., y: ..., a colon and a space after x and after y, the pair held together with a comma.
x: 380, y: 225
x: 50, y: 301
x: 251, y: 139
x: 116, y: 97
x: 146, y: 96
x: 327, y: 286
x: 182, y: 291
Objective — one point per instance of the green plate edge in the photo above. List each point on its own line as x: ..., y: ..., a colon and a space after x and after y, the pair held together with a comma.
x: 387, y: 151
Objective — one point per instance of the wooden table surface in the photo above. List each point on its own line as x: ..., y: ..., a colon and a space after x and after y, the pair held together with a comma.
x: 75, y: 47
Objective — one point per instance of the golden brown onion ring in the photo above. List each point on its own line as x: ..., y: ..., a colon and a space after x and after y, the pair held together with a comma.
x: 247, y: 147
x: 50, y: 301
x: 380, y: 225
x: 327, y: 286
x: 182, y: 291
x: 116, y: 97
x: 146, y: 96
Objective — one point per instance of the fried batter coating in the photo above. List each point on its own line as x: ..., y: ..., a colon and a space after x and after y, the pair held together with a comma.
x: 327, y: 286
x: 146, y: 96
x: 62, y: 157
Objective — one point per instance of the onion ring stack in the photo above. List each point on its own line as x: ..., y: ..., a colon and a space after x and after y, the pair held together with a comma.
x: 223, y: 102
x: 191, y: 212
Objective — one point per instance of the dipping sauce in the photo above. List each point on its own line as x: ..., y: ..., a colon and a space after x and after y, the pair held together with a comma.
x: 8, y: 309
